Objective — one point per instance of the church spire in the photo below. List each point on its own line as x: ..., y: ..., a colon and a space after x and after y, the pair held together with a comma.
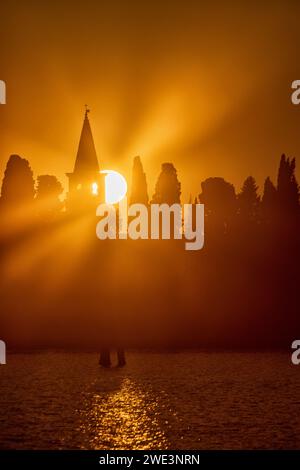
x: 85, y: 180
x: 86, y: 162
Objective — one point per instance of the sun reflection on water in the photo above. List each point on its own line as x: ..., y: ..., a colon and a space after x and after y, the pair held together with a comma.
x: 126, y: 417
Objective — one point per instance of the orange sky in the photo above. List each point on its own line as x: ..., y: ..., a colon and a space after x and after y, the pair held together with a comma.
x: 201, y: 84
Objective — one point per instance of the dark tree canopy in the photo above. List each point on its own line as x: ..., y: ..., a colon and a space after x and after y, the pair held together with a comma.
x: 269, y: 200
x: 167, y: 188
x: 18, y: 182
x: 139, y: 192
x: 248, y: 200
x: 287, y: 186
x: 48, y: 186
x: 218, y: 196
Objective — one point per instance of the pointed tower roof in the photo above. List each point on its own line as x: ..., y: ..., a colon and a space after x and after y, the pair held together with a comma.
x: 86, y: 160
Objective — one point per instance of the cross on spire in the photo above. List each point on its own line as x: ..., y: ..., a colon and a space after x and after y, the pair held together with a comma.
x: 87, y: 110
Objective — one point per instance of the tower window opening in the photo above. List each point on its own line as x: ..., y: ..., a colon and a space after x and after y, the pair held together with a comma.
x: 95, y: 189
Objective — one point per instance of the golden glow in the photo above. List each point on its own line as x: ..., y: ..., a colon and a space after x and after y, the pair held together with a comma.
x: 95, y: 189
x: 171, y: 107
x: 115, y: 186
x: 127, y: 418
x: 79, y: 186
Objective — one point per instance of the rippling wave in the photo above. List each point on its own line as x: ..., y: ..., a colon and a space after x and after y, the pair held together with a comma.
x: 196, y: 400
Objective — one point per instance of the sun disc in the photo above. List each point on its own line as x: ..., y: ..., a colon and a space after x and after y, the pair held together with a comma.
x: 115, y: 186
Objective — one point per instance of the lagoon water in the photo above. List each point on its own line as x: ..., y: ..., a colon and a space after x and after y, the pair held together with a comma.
x: 186, y: 400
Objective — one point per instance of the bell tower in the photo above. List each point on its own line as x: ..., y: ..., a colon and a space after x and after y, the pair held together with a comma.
x: 86, y: 184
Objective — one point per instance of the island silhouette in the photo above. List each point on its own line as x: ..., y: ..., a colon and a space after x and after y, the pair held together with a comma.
x: 62, y: 287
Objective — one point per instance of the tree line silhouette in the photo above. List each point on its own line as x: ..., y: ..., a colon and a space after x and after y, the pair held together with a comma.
x: 223, y: 206
x: 62, y: 286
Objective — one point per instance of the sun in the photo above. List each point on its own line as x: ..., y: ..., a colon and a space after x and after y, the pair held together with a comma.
x: 115, y: 186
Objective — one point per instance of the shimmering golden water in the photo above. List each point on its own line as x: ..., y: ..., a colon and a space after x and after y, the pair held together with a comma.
x: 127, y: 418
x: 158, y: 401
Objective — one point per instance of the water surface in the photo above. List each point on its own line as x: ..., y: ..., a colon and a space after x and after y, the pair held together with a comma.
x: 56, y: 400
